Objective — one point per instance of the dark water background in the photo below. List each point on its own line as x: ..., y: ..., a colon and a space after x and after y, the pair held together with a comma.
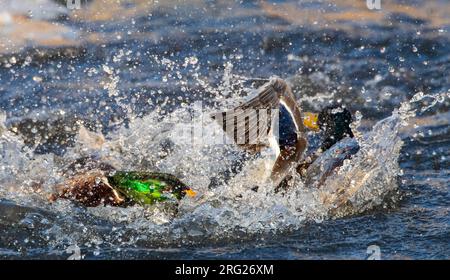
x: 371, y: 60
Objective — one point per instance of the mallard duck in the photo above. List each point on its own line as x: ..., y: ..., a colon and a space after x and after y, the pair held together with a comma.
x: 270, y: 117
x: 121, y: 188
x: 284, y: 129
x: 334, y: 124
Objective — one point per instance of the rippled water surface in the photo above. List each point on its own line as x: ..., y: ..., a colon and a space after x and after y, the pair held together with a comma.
x: 118, y: 81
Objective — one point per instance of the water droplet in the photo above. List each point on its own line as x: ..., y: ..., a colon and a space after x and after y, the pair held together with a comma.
x: 107, y: 69
x: 193, y: 60
x: 37, y: 79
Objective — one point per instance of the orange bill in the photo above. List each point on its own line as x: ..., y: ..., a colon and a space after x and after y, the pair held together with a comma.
x: 310, y: 120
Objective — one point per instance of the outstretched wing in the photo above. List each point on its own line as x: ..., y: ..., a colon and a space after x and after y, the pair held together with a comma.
x: 249, y: 124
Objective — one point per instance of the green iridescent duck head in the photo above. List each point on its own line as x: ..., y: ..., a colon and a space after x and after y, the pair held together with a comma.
x: 149, y: 187
x: 334, y: 121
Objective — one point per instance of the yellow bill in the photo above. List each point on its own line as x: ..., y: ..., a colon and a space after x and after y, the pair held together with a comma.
x: 190, y: 193
x: 310, y: 120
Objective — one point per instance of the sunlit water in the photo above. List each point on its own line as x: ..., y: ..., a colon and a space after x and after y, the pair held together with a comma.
x: 137, y: 89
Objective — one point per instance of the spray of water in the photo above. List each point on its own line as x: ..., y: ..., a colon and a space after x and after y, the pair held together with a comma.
x: 229, y: 209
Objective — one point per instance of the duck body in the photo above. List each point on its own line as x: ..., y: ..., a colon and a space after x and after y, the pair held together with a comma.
x: 89, y: 189
x: 122, y: 188
x: 329, y: 162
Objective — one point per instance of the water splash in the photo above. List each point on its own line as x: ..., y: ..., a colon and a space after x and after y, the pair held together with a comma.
x: 231, y: 209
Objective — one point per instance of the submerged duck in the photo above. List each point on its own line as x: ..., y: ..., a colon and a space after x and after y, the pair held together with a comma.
x: 284, y: 131
x: 121, y: 188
